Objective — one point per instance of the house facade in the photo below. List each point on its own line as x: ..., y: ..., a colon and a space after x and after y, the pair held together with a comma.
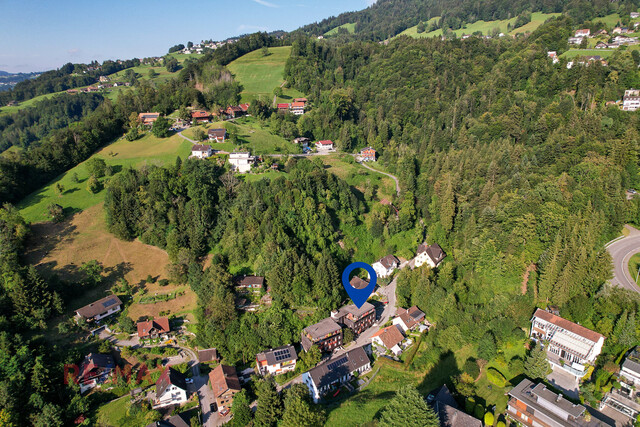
x: 326, y: 334
x: 297, y: 108
x: 276, y: 361
x: 631, y: 100
x: 241, y: 162
x: 224, y: 384
x: 200, y: 151
x: 171, y: 389
x: 217, y: 135
x: 335, y: 371
x: 325, y: 145
x: 384, y: 267
x: 410, y: 319
x: 390, y: 337
x: 368, y: 155
x: 569, y: 346
x: 354, y: 318
x: 582, y: 33
x: 432, y: 255
x: 625, y: 399
x: 156, y: 328
x: 532, y: 404
x: 100, y: 309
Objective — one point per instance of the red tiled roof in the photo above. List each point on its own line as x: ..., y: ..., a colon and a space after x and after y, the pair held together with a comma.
x: 568, y: 325
x: 325, y: 142
x: 297, y: 104
x: 300, y: 100
x: 161, y: 325
x: 244, y: 107
x: 224, y: 378
x: 281, y: 106
x: 390, y: 336
x: 199, y: 114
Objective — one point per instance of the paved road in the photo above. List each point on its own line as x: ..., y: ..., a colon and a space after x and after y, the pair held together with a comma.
x: 621, y: 252
x: 384, y: 173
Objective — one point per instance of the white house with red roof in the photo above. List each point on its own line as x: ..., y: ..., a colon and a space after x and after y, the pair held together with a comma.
x: 325, y: 145
x: 569, y: 346
x: 583, y: 33
x: 390, y: 337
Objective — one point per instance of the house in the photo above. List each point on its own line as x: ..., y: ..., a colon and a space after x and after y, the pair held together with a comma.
x: 575, y: 40
x: 200, y: 151
x: 100, y: 309
x: 276, y: 361
x: 430, y: 254
x: 409, y: 319
x: 200, y: 116
x: 179, y: 420
x: 254, y: 283
x: 625, y: 399
x: 386, y: 265
x: 154, y: 328
x: 601, y: 45
x: 303, y: 100
x: 569, y: 346
x: 94, y: 370
x: 244, y: 107
x: 354, y: 318
x: 171, y: 389
x: 368, y: 155
x: 390, y: 338
x: 618, y: 30
x: 634, y: 15
x: 103, y: 79
x: 224, y: 384
x: 448, y: 411
x: 532, y: 404
x: 335, y: 371
x: 207, y: 355
x: 358, y: 283
x: 148, y: 118
x: 602, y: 32
x: 234, y: 111
x: 631, y: 100
x: 302, y: 140
x: 325, y: 145
x: 582, y: 33
x: 326, y: 334
x: 283, y: 108
x: 69, y: 91
x: 554, y: 56
x: 297, y: 108
x: 241, y: 162
x: 218, y: 134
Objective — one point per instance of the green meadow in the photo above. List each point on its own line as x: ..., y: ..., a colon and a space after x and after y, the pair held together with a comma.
x: 350, y: 27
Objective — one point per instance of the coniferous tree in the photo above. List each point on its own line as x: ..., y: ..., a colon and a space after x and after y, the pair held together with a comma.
x: 536, y: 365
x: 408, y: 407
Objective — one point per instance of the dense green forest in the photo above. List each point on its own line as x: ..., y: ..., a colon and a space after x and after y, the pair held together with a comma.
x: 386, y: 18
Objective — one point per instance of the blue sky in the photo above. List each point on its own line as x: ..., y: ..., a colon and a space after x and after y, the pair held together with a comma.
x: 44, y: 34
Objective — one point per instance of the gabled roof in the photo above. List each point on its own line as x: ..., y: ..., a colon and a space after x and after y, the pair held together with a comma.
x: 250, y: 281
x: 358, y: 283
x: 434, y: 252
x: 368, y: 150
x: 299, y: 99
x: 297, y: 105
x: 175, y: 421
x: 169, y: 377
x: 323, y: 328
x: 224, y: 378
x: 389, y: 261
x: 337, y: 367
x: 200, y: 147
x: 99, y: 307
x: 390, y: 336
x: 199, y: 114
x: 283, y: 106
x: 161, y: 325
x: 95, y: 361
x: 207, y: 355
x: 355, y: 311
x: 244, y: 107
x: 411, y: 316
x: 568, y: 325
x: 325, y: 142
x: 219, y: 132
x: 278, y: 355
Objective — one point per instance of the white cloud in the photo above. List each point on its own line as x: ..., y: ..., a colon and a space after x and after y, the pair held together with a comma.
x: 266, y: 3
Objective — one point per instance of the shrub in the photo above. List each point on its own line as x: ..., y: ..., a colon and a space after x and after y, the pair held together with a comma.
x: 501, y: 424
x: 479, y: 411
x: 496, y: 377
x: 471, y: 367
x: 488, y: 419
x: 469, y: 405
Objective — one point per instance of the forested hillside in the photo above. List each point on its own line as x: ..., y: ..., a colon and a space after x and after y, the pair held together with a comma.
x: 386, y: 18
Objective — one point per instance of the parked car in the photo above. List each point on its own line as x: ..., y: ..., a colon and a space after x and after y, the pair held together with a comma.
x: 224, y: 411
x: 213, y: 407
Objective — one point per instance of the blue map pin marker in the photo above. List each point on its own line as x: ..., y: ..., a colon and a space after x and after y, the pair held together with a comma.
x: 359, y: 296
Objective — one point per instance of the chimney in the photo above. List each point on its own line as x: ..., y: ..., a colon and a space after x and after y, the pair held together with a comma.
x: 334, y: 314
x: 559, y: 397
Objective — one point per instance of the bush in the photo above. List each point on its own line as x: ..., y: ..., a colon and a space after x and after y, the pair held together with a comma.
x: 479, y: 411
x: 469, y: 405
x: 488, y: 419
x: 163, y: 282
x: 496, y: 377
x: 501, y: 424
x: 471, y: 367
x: 96, y: 167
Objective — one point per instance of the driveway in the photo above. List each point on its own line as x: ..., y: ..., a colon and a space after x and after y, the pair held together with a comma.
x: 564, y: 381
x: 621, y: 251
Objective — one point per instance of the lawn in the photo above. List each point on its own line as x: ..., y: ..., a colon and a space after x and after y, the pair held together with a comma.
x: 120, y: 154
x: 572, y: 53
x: 117, y: 414
x: 634, y: 266
x: 260, y: 75
x: 351, y: 27
x: 413, y: 31
x: 357, y: 176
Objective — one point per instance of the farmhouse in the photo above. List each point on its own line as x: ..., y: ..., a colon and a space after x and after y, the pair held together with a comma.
x: 325, y: 145
x: 368, y: 154
x: 241, y: 162
x: 430, y: 254
x: 244, y: 107
x: 201, y: 151
x: 148, y: 118
x: 171, y: 389
x: 354, y: 318
x: 276, y: 361
x: 410, y: 318
x: 283, y: 108
x: 254, y: 283
x: 224, y: 384
x: 297, y: 108
x: 602, y: 45
x: 100, y: 309
x: 631, y: 100
x: 234, y: 111
x: 335, y: 371
x: 326, y: 334
x: 217, y: 135
x: 390, y: 338
x: 385, y: 266
x: 94, y: 370
x: 554, y: 56
x: 569, y: 345
x: 154, y: 328
x: 200, y: 116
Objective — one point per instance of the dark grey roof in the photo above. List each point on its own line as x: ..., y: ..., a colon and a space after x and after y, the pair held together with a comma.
x: 175, y: 421
x: 389, y: 261
x: 322, y: 328
x: 339, y: 366
x: 168, y: 377
x: 250, y: 281
x: 354, y: 310
x: 631, y: 365
x: 444, y: 396
x: 436, y: 253
x: 447, y: 409
x: 99, y: 307
x: 278, y: 355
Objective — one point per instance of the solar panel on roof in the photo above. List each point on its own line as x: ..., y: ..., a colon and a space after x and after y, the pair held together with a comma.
x: 337, y: 363
x: 109, y: 302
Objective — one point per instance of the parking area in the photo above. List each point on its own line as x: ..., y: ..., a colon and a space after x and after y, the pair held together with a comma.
x: 564, y: 381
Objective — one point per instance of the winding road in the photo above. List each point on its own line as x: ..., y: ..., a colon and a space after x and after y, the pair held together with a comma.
x: 395, y: 179
x: 621, y: 250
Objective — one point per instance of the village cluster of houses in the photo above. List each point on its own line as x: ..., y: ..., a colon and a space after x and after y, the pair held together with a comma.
x: 200, y: 47
x: 296, y: 107
x: 618, y: 33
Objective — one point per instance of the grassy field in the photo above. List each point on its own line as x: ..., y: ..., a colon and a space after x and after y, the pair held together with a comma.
x: 486, y: 27
x: 573, y: 53
x: 634, y: 265
x: 260, y: 75
x: 413, y: 31
x: 351, y: 27
x: 119, y: 154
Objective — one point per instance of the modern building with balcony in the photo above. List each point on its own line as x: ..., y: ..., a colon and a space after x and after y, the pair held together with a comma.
x: 625, y: 400
x: 354, y: 318
x: 326, y: 334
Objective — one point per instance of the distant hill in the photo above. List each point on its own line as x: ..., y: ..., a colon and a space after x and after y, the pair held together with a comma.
x: 4, y: 73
